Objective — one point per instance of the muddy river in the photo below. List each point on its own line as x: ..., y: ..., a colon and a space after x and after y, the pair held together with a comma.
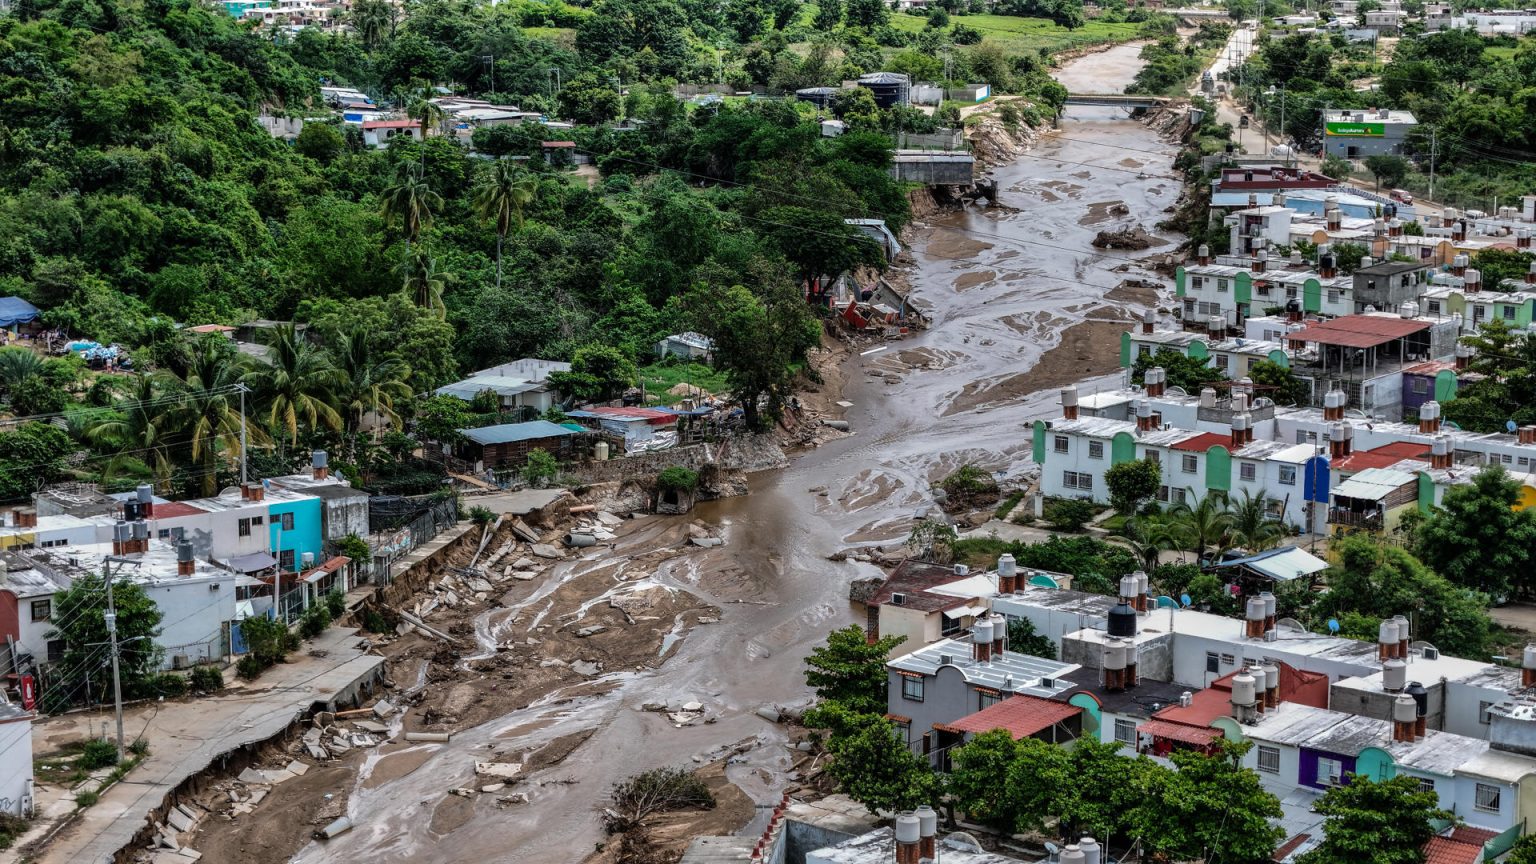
x: 1017, y: 296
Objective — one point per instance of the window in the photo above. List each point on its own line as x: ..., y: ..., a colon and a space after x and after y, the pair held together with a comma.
x: 1330, y: 772
x: 55, y: 650
x: 1195, y: 282
x: 1488, y: 798
x: 1333, y: 295
x: 1221, y: 286
x: 1221, y: 362
x: 1434, y: 307
x: 1212, y: 662
x: 1483, y: 715
x: 287, y: 521
x: 285, y: 559
x: 1189, y: 307
x: 1274, y: 508
x: 1162, y: 493
x: 1287, y: 475
x: 1189, y: 463
x: 1125, y: 732
x: 988, y: 698
x: 42, y: 610
x: 1479, y: 313
x: 1269, y: 759
x: 1426, y: 784
x: 1178, y: 495
x: 1061, y: 443
x: 1228, y: 660
x: 1508, y: 312
x: 1247, y: 471
x: 1152, y: 455
x: 912, y: 688
x: 1077, y: 480
x: 1418, y: 386
x: 256, y: 520
x: 163, y: 533
x: 245, y: 527
x: 1144, y: 350
x: 49, y: 544
x: 1095, y: 449
x: 1525, y: 462
x: 948, y: 626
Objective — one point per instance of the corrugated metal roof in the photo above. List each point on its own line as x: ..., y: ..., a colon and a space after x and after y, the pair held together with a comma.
x: 1359, y: 331
x: 508, y: 433
x: 1282, y: 565
x: 1373, y: 484
x: 1010, y: 672
x: 1021, y: 716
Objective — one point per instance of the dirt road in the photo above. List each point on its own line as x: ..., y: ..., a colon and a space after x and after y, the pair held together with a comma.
x: 1005, y: 286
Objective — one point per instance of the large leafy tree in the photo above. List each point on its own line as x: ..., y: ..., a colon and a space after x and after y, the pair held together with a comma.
x: 758, y: 341
x: 207, y: 416
x: 850, y: 670
x: 598, y: 372
x: 820, y: 245
x: 1010, y: 785
x: 1378, y: 581
x: 371, y: 380
x: 32, y: 456
x: 1133, y: 482
x: 1386, y: 822
x: 876, y: 768
x: 1477, y: 538
x: 79, y: 614
x: 1187, y: 373
x: 1212, y: 803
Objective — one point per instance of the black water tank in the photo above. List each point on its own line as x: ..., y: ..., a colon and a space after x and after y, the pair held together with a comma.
x: 1122, y: 621
x: 888, y: 88
x: 1420, y: 695
x: 821, y: 97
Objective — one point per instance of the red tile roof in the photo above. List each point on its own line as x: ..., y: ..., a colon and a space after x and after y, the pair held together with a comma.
x: 175, y: 510
x: 389, y: 124
x: 1430, y: 367
x: 1445, y: 850
x: 1468, y: 834
x: 1296, y: 685
x: 1180, y: 732
x: 1022, y: 716
x: 1203, y: 442
x: 1289, y: 846
x: 913, y: 579
x: 1384, y: 456
x: 1358, y: 331
x: 650, y: 415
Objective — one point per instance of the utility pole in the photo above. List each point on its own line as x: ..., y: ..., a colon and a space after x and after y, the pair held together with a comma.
x: 111, y: 619
x: 241, y: 385
x: 490, y: 61
x: 1432, y: 163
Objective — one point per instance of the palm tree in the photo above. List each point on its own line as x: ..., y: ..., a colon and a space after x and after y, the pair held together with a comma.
x: 297, y: 385
x: 208, y: 414
x: 501, y: 198
x: 1251, y: 525
x: 1203, y: 527
x: 372, y: 382
x: 1147, y: 537
x: 17, y: 364
x: 426, y: 112
x: 423, y: 282
x: 138, y: 430
x: 371, y: 18
x: 408, y: 203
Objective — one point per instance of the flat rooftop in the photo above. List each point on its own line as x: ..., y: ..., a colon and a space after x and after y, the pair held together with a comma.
x: 1008, y: 672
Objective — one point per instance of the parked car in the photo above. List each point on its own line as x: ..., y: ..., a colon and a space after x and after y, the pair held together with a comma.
x: 1402, y: 196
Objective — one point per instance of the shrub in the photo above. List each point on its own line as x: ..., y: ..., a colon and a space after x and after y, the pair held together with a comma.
x: 481, y: 515
x: 249, y: 667
x: 98, y: 754
x: 374, y: 622
x: 336, y: 604
x: 267, y: 638
x: 169, y: 685
x: 1069, y: 514
x: 291, y: 643
x: 207, y: 679
x: 86, y: 798
x: 11, y: 827
x: 677, y: 477
x: 656, y: 791
x: 139, y: 748
x: 314, y: 621
x: 541, y: 468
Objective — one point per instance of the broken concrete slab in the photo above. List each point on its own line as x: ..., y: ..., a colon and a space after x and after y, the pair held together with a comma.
x: 256, y: 798
x: 522, y: 530
x: 296, y: 768
x: 192, y: 811
x: 524, y: 575
x: 179, y: 820
x: 514, y: 799
x: 592, y: 630
x: 504, y: 770
x: 170, y: 840
x: 251, y: 775
x: 369, y: 726
x: 492, y: 787
x: 383, y: 708
x: 544, y: 550
x: 317, y: 752
x: 189, y: 854
x: 693, y: 707
x: 608, y: 519
x: 524, y: 563
x: 585, y: 667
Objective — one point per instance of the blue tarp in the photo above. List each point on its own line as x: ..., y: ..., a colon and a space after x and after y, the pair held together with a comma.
x: 14, y: 310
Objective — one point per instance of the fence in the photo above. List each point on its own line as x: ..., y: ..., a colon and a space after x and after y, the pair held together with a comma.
x: 391, y: 546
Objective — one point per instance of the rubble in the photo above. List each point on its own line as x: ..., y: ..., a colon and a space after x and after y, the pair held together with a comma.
x: 504, y: 770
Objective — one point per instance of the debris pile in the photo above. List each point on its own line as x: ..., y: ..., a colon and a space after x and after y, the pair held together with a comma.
x: 1124, y: 238
x: 166, y: 845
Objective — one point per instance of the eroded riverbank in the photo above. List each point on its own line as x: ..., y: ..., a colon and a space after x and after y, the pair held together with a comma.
x: 1020, y: 302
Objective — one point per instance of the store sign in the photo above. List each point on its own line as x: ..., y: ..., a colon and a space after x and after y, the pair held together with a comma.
x: 1375, y: 130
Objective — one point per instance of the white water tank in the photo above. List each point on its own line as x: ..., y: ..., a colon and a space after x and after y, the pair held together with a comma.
x: 1404, y: 709
x: 1115, y: 655
x: 1243, y: 689
x: 1394, y: 675
x: 981, y: 632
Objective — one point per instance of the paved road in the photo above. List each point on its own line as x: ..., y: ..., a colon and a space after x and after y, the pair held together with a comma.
x: 185, y: 738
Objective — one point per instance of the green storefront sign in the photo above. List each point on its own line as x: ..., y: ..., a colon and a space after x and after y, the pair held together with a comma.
x: 1376, y: 130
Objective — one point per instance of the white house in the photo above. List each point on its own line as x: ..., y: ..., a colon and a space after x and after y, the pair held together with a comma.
x: 378, y: 133
x: 15, y: 758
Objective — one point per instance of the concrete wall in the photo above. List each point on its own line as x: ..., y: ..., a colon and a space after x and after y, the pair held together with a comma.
x: 193, y: 612
x: 802, y: 838
x: 946, y: 170
x: 16, y: 621
x: 15, y: 763
x: 920, y: 628
x: 946, y: 698
x: 343, y: 516
x: 305, y: 535
x: 754, y: 453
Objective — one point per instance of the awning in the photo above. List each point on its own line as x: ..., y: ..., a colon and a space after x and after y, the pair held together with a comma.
x: 244, y: 581
x: 1179, y: 732
x: 1281, y: 565
x: 326, y: 569
x: 962, y: 611
x: 252, y: 562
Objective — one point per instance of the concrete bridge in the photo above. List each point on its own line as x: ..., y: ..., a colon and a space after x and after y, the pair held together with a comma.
x: 1116, y: 100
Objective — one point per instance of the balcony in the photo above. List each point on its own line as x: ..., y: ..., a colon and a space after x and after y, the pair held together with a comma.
x: 1368, y: 520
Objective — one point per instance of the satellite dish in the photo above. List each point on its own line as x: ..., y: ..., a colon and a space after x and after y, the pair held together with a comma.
x: 1333, y: 626
x: 1510, y: 427
x: 1184, y: 600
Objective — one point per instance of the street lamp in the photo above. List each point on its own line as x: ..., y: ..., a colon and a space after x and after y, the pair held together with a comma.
x: 1273, y: 91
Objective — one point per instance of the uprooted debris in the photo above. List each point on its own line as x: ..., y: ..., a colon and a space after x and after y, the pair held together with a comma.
x: 1124, y: 238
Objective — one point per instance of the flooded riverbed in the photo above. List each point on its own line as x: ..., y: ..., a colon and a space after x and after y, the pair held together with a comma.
x: 1017, y: 297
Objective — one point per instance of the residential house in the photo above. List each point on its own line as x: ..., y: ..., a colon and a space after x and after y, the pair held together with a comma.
x: 522, y: 385
x: 1113, y: 714
x: 1386, y: 286
x: 940, y: 683
x: 640, y: 427
x: 507, y: 445
x: 16, y: 789
x: 1021, y: 716
x: 378, y: 133
x: 905, y: 605
x: 689, y: 346
x: 26, y: 612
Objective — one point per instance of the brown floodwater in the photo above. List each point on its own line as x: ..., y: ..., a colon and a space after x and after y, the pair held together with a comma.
x: 1017, y: 297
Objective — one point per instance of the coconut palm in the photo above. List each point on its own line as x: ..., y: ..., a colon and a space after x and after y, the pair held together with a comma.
x: 372, y: 382
x: 208, y: 414
x: 408, y: 203
x: 138, y: 429
x: 501, y: 199
x: 426, y: 112
x: 372, y: 19
x: 1147, y: 537
x: 1205, y: 526
x: 1252, y: 528
x: 423, y: 282
x: 297, y: 386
